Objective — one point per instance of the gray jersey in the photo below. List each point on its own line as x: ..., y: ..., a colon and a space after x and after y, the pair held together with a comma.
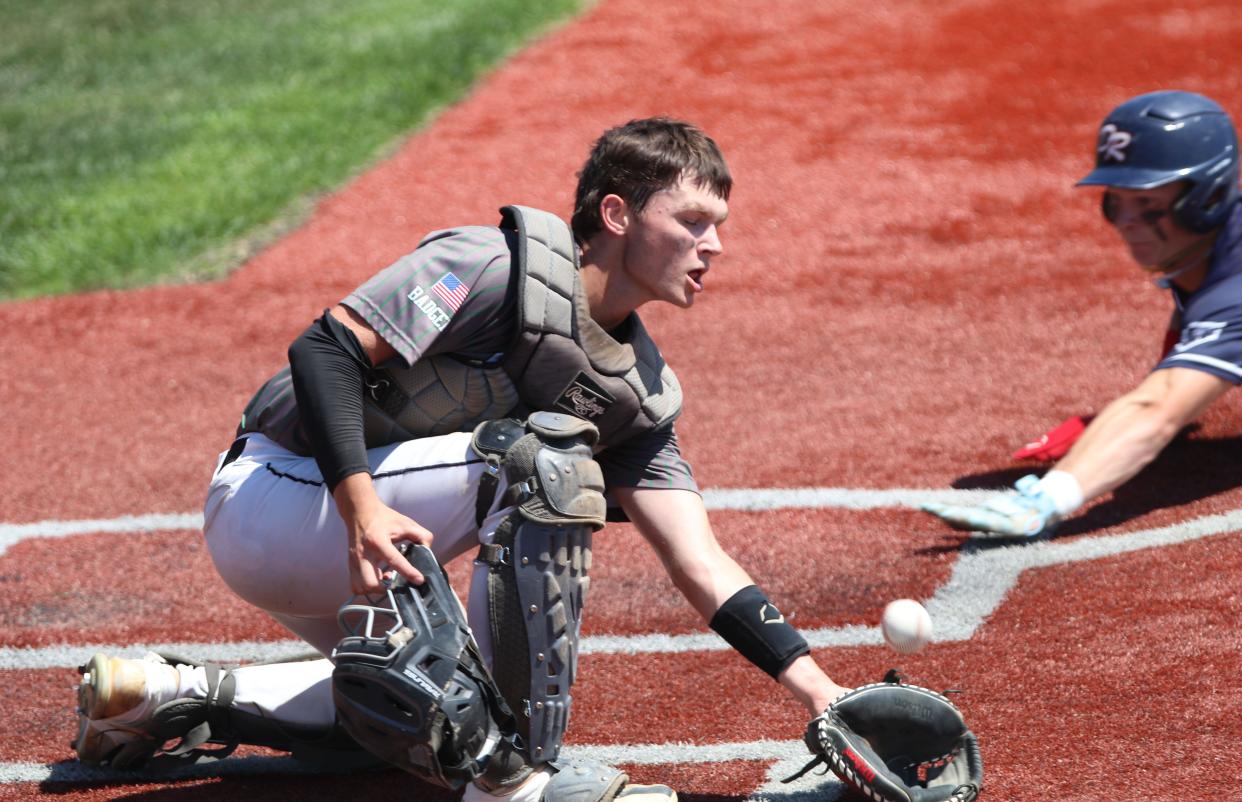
x: 454, y: 297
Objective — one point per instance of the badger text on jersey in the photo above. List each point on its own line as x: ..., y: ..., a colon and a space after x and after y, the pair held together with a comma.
x: 421, y: 299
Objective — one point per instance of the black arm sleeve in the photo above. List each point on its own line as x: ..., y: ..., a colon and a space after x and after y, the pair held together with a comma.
x: 750, y: 623
x: 329, y: 369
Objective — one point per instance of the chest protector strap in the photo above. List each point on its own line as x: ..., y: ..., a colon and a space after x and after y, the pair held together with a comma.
x: 538, y: 568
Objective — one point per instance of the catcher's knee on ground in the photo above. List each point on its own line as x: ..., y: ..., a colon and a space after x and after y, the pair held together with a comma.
x: 131, y: 715
x: 538, y: 564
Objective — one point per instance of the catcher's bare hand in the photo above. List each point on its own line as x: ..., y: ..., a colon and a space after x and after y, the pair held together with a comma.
x: 373, y: 549
x: 373, y: 530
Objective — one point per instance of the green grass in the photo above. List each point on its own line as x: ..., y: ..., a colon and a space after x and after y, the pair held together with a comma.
x: 143, y: 140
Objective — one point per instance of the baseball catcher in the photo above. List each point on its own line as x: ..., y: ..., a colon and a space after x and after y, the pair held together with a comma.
x: 897, y: 743
x: 493, y: 391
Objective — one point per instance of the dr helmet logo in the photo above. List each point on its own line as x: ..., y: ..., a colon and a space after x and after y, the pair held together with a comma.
x: 584, y: 398
x: 1113, y: 143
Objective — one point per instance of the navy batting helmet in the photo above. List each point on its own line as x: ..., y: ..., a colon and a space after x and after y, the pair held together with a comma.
x: 1161, y: 137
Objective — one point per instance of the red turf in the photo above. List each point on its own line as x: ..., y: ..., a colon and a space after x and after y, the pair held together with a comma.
x: 910, y: 290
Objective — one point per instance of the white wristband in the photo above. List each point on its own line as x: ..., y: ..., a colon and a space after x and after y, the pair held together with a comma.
x: 1063, y: 489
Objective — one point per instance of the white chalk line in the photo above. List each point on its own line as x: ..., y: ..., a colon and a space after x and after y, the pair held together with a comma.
x: 73, y: 655
x: 742, y: 499
x: 980, y: 580
x: 70, y: 655
x: 784, y: 757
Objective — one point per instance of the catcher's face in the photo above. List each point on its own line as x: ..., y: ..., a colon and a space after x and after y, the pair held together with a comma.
x: 670, y: 244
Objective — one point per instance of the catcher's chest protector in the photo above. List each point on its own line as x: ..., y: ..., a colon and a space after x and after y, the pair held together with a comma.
x: 562, y: 360
x: 436, y: 395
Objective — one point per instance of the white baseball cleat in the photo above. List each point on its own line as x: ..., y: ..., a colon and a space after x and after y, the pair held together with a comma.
x: 647, y: 793
x: 588, y: 781
x: 116, y: 700
x: 585, y: 781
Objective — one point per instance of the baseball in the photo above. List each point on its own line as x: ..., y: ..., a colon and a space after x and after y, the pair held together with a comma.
x: 906, y: 625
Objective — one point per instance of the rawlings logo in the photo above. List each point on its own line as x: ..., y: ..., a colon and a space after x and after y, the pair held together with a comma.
x: 584, y: 405
x: 584, y: 398
x: 1113, y: 143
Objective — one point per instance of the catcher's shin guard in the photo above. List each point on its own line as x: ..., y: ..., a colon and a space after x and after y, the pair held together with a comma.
x: 410, y: 686
x: 539, y: 561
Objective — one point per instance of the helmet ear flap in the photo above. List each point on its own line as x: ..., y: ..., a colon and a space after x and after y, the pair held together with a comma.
x: 1197, y: 217
x: 1108, y: 206
x: 1187, y: 215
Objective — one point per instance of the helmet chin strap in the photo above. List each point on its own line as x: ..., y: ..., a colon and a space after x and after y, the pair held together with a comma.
x: 1193, y: 255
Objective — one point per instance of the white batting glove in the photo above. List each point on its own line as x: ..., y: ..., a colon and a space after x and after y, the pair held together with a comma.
x: 1028, y: 513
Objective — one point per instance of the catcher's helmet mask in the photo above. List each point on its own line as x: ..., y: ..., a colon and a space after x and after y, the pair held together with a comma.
x: 409, y: 684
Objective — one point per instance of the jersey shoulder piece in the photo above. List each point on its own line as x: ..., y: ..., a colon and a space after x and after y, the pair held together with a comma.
x: 442, y: 297
x: 446, y: 309
x: 1211, y: 317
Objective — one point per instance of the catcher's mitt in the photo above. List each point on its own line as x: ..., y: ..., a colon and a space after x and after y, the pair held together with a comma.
x: 898, y: 743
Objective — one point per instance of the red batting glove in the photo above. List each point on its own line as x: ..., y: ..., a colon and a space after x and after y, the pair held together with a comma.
x: 1056, y: 442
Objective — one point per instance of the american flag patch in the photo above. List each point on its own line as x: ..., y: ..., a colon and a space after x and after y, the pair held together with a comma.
x: 450, y: 290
